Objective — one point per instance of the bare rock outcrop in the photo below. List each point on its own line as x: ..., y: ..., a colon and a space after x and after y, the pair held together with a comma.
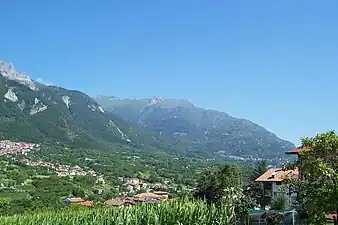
x: 7, y: 70
x: 10, y: 95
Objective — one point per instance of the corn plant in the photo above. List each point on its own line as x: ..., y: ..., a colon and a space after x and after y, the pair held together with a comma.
x: 178, y: 212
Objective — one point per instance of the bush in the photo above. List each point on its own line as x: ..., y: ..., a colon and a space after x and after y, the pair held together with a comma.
x: 280, y: 202
x: 275, y: 219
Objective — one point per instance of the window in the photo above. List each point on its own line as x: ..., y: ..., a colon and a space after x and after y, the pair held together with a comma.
x: 267, y: 185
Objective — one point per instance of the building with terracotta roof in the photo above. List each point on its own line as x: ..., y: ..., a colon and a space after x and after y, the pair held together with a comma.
x: 331, y: 217
x: 120, y: 202
x: 69, y: 201
x: 147, y: 196
x: 114, y: 202
x: 296, y: 151
x: 87, y: 203
x: 272, y: 180
x: 277, y: 175
x: 150, y: 197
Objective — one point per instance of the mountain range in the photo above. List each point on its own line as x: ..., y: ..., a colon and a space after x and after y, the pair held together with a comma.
x: 201, y: 129
x: 32, y: 111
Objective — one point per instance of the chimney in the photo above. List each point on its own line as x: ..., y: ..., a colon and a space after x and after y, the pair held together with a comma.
x: 273, y: 175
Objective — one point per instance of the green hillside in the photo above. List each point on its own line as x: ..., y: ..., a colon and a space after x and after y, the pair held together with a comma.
x: 30, y: 111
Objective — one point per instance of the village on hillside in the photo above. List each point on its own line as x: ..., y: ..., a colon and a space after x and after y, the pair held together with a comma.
x: 12, y: 148
x: 143, y: 197
x: 132, y: 191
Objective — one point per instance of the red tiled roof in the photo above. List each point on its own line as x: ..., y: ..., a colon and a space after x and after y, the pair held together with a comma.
x: 297, y: 150
x: 87, y: 203
x: 147, y: 195
x: 160, y: 192
x: 277, y: 175
x: 76, y: 200
x: 114, y: 202
x: 330, y: 216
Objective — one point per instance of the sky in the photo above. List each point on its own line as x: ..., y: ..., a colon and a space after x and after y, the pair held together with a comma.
x: 272, y: 62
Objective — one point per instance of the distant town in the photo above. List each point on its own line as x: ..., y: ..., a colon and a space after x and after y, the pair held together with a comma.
x: 12, y: 148
x: 132, y: 190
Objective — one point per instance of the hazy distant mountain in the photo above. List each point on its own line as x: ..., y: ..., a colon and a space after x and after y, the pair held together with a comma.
x: 206, y: 130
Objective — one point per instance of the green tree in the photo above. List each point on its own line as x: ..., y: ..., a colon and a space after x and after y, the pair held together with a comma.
x: 108, y: 195
x: 5, y: 205
x: 215, y: 182
x: 77, y: 192
x: 243, y: 206
x: 94, y: 197
x: 256, y: 188
x: 223, y: 185
x: 280, y: 202
x: 318, y: 191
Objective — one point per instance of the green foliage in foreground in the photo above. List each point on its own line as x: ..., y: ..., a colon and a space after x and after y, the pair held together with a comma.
x: 318, y: 192
x: 169, y: 212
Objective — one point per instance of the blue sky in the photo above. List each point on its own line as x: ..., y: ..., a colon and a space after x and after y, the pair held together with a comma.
x: 273, y: 62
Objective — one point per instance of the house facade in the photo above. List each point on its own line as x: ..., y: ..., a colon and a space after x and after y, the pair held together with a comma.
x: 272, y: 181
x: 296, y: 152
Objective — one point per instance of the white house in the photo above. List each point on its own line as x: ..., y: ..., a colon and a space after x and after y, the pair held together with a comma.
x: 273, y: 179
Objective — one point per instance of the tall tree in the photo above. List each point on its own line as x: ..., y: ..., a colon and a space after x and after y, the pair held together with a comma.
x: 256, y: 189
x: 215, y: 182
x: 223, y: 185
x: 318, y: 191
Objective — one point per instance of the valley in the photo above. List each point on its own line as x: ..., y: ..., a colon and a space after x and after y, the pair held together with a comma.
x: 168, y: 113
x: 45, y: 176
x: 59, y: 145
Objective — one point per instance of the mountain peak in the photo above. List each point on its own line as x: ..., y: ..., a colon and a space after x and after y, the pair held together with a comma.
x: 171, y: 103
x: 7, y: 70
x: 101, y: 97
x: 156, y: 100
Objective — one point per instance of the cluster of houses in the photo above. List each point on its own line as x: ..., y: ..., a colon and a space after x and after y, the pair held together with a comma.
x: 62, y: 170
x: 132, y: 191
x: 133, y: 185
x: 65, y: 170
x: 13, y: 148
x: 150, y: 197
x: 8, y: 147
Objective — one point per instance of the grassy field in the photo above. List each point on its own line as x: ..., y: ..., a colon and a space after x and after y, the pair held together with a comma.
x: 166, y: 213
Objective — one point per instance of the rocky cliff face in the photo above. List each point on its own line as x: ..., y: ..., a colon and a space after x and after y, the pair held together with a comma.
x: 7, y: 70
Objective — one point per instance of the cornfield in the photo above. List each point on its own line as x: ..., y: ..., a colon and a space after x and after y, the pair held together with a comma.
x: 176, y: 212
